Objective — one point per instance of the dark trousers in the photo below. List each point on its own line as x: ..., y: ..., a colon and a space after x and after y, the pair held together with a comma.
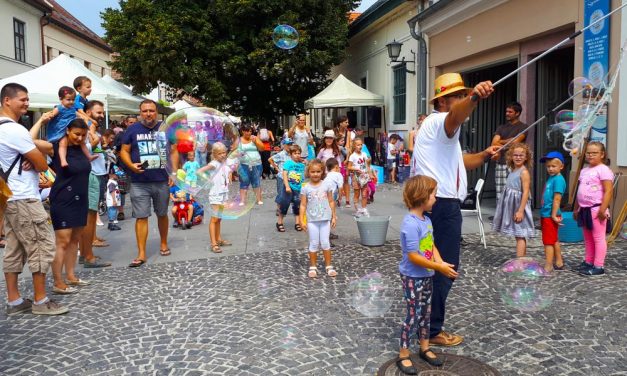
x: 447, y: 232
x: 265, y: 156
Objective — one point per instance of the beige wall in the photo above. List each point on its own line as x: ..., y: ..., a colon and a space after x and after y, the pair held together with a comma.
x: 10, y: 9
x: 62, y: 41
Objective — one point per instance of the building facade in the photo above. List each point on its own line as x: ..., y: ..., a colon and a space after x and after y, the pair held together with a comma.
x: 485, y: 40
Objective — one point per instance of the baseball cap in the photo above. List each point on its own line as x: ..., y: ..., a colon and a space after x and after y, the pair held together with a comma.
x: 287, y: 141
x: 552, y: 155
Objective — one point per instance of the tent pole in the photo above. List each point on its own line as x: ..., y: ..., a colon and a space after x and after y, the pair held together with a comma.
x: 106, y: 113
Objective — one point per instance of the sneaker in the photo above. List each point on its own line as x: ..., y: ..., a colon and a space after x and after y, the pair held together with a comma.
x: 333, y: 236
x: 113, y: 227
x: 365, y: 213
x: 115, y: 221
x: 22, y: 307
x: 584, y: 266
x: 348, y: 205
x: 50, y: 307
x: 593, y: 271
x: 99, y: 222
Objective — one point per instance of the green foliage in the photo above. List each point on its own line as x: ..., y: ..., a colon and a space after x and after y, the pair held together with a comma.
x: 221, y: 51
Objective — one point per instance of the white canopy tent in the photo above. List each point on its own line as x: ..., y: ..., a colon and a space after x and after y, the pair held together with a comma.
x: 344, y: 93
x: 43, y: 84
x: 181, y: 104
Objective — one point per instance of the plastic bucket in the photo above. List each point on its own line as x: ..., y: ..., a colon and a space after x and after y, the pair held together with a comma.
x: 373, y: 230
x: 569, y: 232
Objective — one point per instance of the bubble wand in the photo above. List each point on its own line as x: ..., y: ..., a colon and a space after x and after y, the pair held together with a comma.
x: 475, y: 97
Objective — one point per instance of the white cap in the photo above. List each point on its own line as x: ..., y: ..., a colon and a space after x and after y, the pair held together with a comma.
x: 329, y: 133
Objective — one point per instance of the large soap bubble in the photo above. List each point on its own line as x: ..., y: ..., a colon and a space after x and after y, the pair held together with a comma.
x: 191, y: 132
x: 285, y: 37
x: 580, y: 88
x: 371, y: 295
x: 523, y: 284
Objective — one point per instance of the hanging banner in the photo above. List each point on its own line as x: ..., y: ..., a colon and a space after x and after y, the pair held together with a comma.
x: 596, y: 51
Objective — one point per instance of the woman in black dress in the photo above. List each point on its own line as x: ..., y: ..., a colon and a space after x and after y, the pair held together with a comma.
x: 68, y: 204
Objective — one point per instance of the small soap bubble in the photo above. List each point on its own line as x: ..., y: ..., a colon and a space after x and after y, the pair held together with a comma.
x: 371, y: 295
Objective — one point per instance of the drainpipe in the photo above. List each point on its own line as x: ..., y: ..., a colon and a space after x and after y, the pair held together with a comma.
x: 43, y: 21
x: 422, y: 65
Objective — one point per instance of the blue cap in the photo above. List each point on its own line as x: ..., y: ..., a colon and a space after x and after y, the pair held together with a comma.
x: 552, y: 155
x: 287, y: 141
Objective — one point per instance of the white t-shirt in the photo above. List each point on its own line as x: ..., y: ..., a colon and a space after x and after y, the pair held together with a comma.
x: 15, y: 140
x: 98, y: 165
x: 219, y: 177
x: 113, y: 192
x: 391, y: 148
x: 334, y: 181
x: 359, y: 161
x: 440, y: 157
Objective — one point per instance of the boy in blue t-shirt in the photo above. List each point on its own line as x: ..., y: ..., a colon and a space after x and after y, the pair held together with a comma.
x: 293, y: 177
x: 551, y: 216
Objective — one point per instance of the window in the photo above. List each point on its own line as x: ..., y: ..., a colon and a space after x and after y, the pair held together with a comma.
x: 102, y: 72
x: 87, y: 64
x: 363, y: 110
x: 400, y: 75
x: 48, y: 53
x: 20, y: 40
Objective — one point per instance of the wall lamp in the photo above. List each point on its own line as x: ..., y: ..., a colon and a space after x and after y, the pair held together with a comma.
x: 394, y: 51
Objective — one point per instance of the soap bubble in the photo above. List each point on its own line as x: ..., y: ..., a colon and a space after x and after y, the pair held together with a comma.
x: 191, y: 131
x: 285, y: 37
x: 623, y: 231
x: 523, y: 284
x: 580, y: 88
x: 371, y: 295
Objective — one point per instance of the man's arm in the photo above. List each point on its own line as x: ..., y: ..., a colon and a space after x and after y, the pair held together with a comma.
x: 462, y: 109
x: 37, y: 159
x: 125, y: 156
x: 472, y: 161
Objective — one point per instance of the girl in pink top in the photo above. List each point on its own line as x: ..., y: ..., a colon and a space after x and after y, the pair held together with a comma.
x: 591, y: 208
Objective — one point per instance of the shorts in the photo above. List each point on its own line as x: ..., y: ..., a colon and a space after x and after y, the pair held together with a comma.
x: 29, y: 237
x: 549, y: 231
x: 93, y: 192
x: 218, y: 198
x: 390, y: 164
x: 249, y: 175
x: 143, y: 193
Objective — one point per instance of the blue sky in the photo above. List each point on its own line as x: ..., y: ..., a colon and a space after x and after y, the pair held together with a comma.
x: 90, y: 15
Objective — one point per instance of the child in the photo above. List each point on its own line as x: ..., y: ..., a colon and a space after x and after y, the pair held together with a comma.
x: 218, y: 194
x: 82, y: 85
x: 63, y: 115
x: 420, y: 259
x: 177, y: 196
x: 276, y: 162
x: 316, y: 200
x: 591, y: 208
x: 359, y: 168
x: 191, y: 167
x: 334, y: 181
x: 391, y: 158
x: 513, y: 214
x: 293, y: 177
x: 113, y: 200
x: 329, y: 148
x: 551, y: 216
x: 346, y: 190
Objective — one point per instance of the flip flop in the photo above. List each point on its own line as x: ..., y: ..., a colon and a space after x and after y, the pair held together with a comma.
x: 136, y: 263
x: 165, y: 252
x: 99, y: 244
x: 223, y: 243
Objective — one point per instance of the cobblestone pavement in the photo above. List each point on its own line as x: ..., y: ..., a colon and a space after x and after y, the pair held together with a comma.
x: 258, y: 314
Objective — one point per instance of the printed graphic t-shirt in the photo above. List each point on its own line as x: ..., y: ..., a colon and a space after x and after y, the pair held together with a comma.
x: 295, y: 174
x: 318, y: 208
x: 148, y: 145
x: 590, y: 191
x: 416, y: 236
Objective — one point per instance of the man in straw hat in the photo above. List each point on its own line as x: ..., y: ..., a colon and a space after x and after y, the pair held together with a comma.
x: 438, y: 154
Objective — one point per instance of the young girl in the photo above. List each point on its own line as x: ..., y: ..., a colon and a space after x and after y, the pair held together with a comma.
x: 513, y: 214
x: 316, y: 200
x: 63, y: 115
x: 218, y: 194
x: 191, y: 169
x: 329, y: 148
x: 420, y: 259
x: 591, y: 208
x: 359, y: 168
x: 345, y: 191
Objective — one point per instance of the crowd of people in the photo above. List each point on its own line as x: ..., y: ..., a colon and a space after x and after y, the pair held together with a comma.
x: 89, y: 167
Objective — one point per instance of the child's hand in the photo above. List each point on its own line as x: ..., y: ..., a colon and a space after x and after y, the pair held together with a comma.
x: 333, y: 221
x: 575, y: 215
x: 447, y: 270
x: 518, y: 217
x: 288, y: 189
x: 557, y: 219
x: 601, y: 215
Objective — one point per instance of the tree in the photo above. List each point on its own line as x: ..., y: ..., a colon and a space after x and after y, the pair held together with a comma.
x: 221, y: 51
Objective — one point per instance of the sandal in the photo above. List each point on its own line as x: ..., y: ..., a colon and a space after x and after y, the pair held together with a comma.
x: 165, y: 252
x: 280, y: 227
x: 298, y: 227
x: 330, y: 271
x: 216, y: 248
x: 99, y: 243
x: 313, y: 272
x: 77, y: 282
x: 432, y: 361
x: 68, y: 290
x: 136, y: 263
x: 223, y: 243
x: 407, y: 370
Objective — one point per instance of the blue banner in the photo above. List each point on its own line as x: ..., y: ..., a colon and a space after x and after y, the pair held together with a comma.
x: 596, y: 51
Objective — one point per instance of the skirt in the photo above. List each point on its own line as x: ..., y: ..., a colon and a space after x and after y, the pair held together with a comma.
x: 504, y: 215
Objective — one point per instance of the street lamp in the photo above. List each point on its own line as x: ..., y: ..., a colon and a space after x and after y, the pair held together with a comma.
x: 394, y: 51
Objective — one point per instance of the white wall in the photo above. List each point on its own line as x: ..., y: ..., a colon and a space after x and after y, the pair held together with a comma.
x: 63, y: 41
x: 621, y: 134
x: 10, y: 9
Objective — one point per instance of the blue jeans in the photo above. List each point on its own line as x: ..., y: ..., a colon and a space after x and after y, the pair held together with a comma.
x: 112, y: 212
x: 447, y: 233
x: 280, y: 189
x: 288, y: 198
x: 249, y: 175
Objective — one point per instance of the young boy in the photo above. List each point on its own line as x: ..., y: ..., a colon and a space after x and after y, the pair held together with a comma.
x: 82, y: 85
x: 551, y: 216
x: 391, y: 158
x: 293, y: 177
x: 334, y: 181
x: 277, y: 161
x: 113, y: 200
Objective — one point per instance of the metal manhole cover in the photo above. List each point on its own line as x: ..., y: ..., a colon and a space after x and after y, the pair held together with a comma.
x: 454, y: 365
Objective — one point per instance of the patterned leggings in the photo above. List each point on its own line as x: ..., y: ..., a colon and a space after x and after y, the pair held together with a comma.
x: 417, y: 293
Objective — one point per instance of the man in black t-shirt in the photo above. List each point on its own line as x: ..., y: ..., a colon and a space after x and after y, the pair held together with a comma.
x: 504, y: 134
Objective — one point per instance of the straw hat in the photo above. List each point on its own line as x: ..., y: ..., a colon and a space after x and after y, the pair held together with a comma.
x: 329, y: 133
x: 448, y: 83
